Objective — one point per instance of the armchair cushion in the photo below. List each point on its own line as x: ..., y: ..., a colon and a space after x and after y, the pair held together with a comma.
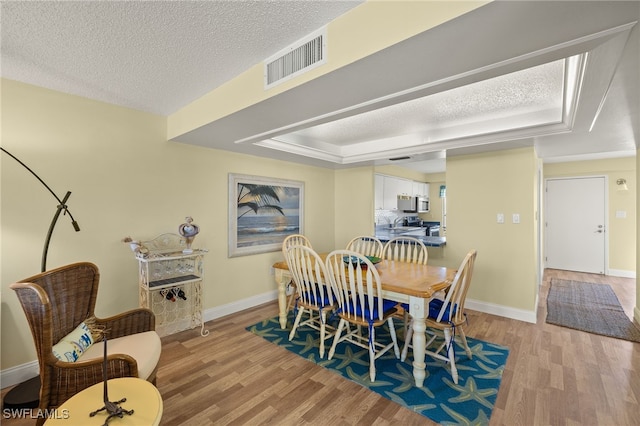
x: 74, y: 344
x: 143, y: 347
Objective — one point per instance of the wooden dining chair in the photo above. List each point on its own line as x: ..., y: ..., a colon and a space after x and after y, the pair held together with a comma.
x: 357, y: 287
x: 314, y: 295
x: 405, y: 249
x: 446, y: 318
x: 366, y: 245
x: 292, y: 240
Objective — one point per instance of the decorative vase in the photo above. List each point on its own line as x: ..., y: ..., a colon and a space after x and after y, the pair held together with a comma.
x: 188, y: 230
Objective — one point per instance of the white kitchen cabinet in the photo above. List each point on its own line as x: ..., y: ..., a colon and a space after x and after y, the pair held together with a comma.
x: 387, y: 189
x: 390, y: 193
x: 392, y: 187
x: 416, y: 189
x: 170, y: 283
x: 421, y: 189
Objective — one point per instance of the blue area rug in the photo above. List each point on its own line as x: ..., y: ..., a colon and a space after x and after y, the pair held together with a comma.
x: 471, y: 401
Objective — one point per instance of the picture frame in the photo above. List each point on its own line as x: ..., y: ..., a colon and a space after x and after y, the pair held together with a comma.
x: 263, y: 211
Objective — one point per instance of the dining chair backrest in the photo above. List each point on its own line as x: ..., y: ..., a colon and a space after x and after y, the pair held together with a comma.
x: 457, y: 292
x: 406, y: 249
x: 366, y: 245
x: 356, y: 284
x: 293, y: 240
x: 308, y: 272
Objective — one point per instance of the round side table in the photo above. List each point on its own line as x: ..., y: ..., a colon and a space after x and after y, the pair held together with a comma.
x: 142, y: 397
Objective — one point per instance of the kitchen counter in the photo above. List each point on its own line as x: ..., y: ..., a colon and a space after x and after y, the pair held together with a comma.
x: 385, y: 234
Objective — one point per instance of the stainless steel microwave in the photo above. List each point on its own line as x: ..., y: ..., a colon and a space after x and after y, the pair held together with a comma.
x: 422, y: 204
x: 411, y: 204
x: 407, y: 203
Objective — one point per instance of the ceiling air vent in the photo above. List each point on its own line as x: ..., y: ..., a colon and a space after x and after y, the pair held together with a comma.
x: 300, y: 57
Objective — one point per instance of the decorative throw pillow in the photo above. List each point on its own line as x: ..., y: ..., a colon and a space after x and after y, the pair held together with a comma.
x: 71, y: 346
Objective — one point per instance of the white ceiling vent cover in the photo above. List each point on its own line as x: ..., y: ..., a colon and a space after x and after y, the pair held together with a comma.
x: 297, y: 58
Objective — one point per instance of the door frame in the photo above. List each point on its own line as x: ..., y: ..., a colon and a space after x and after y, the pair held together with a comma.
x: 606, y: 214
x: 540, y: 216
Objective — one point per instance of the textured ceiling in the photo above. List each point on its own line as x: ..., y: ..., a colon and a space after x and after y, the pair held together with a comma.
x: 154, y: 56
x: 158, y: 56
x: 501, y: 99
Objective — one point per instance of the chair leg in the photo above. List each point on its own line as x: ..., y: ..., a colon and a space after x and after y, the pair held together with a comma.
x: 296, y: 323
x: 450, y: 354
x: 372, y: 355
x: 323, y: 320
x: 394, y: 339
x: 292, y: 296
x: 464, y: 342
x: 336, y: 338
x: 407, y: 341
x: 407, y: 324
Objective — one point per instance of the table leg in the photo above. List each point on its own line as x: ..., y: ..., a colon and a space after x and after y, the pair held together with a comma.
x: 417, y: 312
x: 282, y: 279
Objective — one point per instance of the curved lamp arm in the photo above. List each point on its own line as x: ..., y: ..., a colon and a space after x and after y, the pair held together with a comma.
x: 61, y: 207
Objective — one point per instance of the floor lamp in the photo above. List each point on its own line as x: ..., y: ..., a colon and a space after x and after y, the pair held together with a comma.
x: 27, y: 394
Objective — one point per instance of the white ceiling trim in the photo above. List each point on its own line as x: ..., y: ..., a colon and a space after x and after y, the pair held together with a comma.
x: 356, y: 155
x: 472, y: 134
x: 284, y: 139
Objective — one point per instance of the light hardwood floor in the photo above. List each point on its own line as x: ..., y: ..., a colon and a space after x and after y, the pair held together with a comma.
x: 553, y: 376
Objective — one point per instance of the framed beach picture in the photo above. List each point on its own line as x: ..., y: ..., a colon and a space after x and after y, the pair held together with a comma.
x: 262, y: 212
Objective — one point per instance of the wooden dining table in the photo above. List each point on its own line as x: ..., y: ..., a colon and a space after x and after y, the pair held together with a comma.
x: 403, y: 282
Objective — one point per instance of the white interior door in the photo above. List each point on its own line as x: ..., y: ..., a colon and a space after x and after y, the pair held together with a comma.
x: 575, y: 224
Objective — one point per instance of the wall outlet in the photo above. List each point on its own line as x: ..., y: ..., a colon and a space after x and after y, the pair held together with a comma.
x: 515, y: 218
x: 500, y: 218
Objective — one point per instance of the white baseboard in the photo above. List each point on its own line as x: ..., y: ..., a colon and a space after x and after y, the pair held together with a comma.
x: 240, y: 305
x: 18, y: 374
x: 489, y: 308
x: 622, y: 273
x: 501, y: 311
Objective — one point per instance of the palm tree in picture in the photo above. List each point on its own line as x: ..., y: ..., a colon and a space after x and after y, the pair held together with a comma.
x: 255, y: 198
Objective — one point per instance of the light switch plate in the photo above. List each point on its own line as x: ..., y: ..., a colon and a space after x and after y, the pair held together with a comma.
x: 515, y: 218
x: 500, y: 218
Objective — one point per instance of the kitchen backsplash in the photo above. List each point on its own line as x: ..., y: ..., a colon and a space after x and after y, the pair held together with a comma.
x: 386, y: 217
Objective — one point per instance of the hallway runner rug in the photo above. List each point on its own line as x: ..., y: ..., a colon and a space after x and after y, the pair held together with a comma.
x: 589, y: 307
x: 471, y: 401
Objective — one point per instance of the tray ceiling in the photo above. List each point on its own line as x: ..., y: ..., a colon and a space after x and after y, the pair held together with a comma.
x: 494, y: 78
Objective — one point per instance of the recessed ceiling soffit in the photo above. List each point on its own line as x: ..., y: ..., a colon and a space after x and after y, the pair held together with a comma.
x: 538, y: 100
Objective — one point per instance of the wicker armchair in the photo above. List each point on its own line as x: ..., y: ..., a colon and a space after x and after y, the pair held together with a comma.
x: 55, y: 303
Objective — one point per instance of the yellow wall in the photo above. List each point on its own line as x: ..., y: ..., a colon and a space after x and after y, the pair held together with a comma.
x: 366, y: 29
x: 636, y: 190
x: 479, y: 187
x: 622, y: 231
x: 354, y: 213
x: 126, y: 180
